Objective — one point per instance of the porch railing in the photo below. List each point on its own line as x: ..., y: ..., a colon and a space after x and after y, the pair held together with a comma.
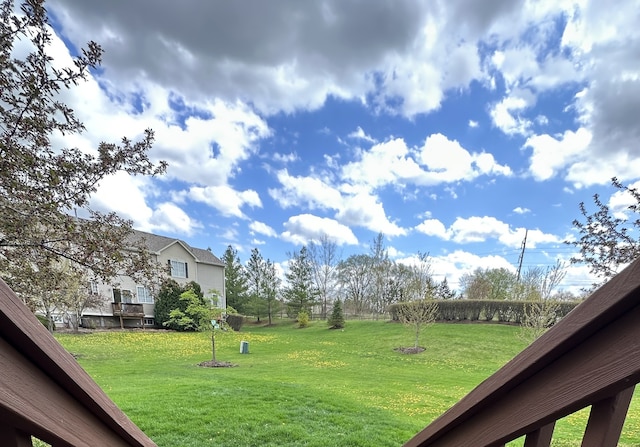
x: 589, y: 359
x: 128, y: 310
x: 45, y: 393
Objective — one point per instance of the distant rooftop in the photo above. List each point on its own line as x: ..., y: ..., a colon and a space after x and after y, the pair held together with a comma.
x: 156, y: 243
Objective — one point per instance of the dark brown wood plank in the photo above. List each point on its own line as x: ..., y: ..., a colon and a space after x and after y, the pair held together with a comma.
x: 540, y: 437
x: 44, y: 409
x: 608, y: 303
x: 606, y: 420
x: 11, y: 437
x: 20, y: 329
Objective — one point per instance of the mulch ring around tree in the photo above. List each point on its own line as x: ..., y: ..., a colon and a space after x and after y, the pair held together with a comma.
x: 212, y: 364
x: 410, y: 350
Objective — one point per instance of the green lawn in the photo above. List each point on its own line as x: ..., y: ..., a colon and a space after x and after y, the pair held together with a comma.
x: 301, y: 387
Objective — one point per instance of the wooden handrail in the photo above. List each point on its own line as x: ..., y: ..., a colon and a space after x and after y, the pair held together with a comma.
x: 45, y: 393
x: 590, y: 358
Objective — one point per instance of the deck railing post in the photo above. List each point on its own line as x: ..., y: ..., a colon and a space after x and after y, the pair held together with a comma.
x: 541, y: 437
x: 606, y: 420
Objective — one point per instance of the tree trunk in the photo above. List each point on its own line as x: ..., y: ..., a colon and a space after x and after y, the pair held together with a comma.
x: 213, y: 345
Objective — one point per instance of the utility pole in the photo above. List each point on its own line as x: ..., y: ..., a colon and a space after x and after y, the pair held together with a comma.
x: 524, y: 245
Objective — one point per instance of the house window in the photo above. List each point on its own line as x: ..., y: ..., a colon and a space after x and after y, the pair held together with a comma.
x: 148, y: 322
x: 122, y: 296
x: 143, y: 294
x: 179, y: 269
x: 93, y: 288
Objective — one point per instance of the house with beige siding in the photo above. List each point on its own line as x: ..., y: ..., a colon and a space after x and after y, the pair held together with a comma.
x: 126, y: 303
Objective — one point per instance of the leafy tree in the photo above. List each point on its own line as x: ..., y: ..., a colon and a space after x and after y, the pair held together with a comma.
x: 270, y: 289
x: 195, y: 288
x: 191, y: 315
x: 488, y: 284
x: 41, y: 185
x: 608, y: 240
x: 76, y: 296
x: 300, y: 292
x: 336, y: 320
x: 235, y: 280
x: 418, y: 315
x: 419, y: 283
x: 381, y: 274
x: 167, y: 300
x: 355, y: 278
x: 324, y: 260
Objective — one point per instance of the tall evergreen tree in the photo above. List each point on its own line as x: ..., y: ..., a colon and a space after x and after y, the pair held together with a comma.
x: 336, y: 320
x: 235, y: 280
x: 300, y: 292
x: 255, y: 282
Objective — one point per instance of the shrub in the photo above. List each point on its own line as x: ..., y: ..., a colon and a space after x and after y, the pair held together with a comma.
x: 303, y: 319
x: 336, y: 320
x: 194, y: 316
x: 235, y: 321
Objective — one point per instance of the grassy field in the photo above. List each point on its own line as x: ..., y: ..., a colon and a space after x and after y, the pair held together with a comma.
x: 301, y: 387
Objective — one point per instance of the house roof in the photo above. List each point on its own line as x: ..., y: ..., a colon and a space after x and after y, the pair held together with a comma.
x: 156, y: 244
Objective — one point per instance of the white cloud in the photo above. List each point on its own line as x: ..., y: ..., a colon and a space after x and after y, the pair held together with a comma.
x: 310, y: 192
x: 393, y: 155
x: 170, y: 218
x: 262, y: 228
x: 507, y: 114
x: 521, y: 210
x: 482, y: 229
x: 550, y: 155
x: 359, y: 134
x: 448, y: 161
x: 224, y: 199
x: 473, y: 124
x: 302, y: 229
x: 433, y: 227
x: 367, y: 211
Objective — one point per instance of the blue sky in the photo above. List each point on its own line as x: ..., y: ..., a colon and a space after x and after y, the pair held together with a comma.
x: 451, y: 127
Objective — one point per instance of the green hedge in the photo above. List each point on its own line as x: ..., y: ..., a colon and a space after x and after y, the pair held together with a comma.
x: 484, y: 310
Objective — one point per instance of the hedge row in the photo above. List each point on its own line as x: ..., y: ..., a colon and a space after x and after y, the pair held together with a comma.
x: 485, y: 310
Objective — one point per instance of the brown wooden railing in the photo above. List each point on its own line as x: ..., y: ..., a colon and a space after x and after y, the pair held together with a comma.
x: 45, y: 393
x: 127, y: 310
x: 590, y: 358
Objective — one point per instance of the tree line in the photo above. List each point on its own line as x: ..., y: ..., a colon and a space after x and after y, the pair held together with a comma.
x: 366, y: 284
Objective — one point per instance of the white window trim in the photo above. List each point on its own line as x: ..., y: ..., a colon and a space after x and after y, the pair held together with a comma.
x: 173, y: 271
x: 148, y: 299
